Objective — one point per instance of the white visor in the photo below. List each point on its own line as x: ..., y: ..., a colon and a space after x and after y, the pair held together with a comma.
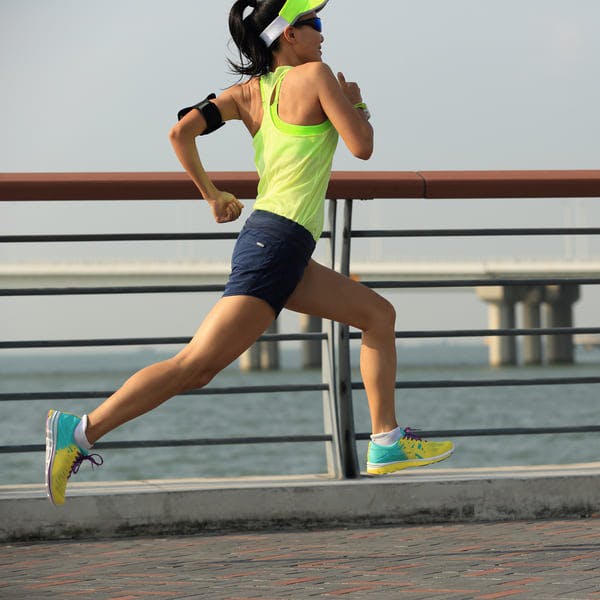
x: 290, y: 13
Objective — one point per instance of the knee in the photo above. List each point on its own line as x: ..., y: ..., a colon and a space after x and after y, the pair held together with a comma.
x: 382, y: 317
x: 388, y: 314
x: 198, y: 379
x: 191, y: 375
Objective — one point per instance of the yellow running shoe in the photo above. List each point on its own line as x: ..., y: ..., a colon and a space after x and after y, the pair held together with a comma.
x: 409, y: 451
x: 63, y: 455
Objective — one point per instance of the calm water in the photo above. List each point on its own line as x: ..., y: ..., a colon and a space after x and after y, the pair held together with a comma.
x: 301, y: 413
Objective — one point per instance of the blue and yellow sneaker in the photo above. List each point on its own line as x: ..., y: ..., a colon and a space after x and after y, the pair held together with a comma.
x: 63, y: 455
x: 409, y: 451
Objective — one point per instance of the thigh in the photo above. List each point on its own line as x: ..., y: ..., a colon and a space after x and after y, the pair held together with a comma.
x: 229, y: 329
x: 325, y: 293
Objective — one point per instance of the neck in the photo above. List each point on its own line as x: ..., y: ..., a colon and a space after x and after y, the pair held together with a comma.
x: 285, y: 58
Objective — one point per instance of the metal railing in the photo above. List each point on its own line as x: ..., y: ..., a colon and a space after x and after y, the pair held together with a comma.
x: 346, y: 385
x: 337, y: 384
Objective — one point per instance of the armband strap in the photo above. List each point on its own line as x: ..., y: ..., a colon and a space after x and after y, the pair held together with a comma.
x: 210, y: 112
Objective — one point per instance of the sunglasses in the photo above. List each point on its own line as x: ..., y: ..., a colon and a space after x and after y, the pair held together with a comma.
x: 315, y: 23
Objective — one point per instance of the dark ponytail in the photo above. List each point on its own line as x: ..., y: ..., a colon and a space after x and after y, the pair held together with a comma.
x: 255, y: 58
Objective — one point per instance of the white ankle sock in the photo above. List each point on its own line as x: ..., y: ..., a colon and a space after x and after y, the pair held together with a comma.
x: 387, y: 438
x: 79, y: 434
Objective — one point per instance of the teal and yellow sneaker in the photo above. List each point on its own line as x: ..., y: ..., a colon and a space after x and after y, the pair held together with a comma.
x: 63, y: 455
x: 409, y: 451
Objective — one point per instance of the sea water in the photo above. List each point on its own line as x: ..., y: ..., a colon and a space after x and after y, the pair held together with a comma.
x: 274, y: 414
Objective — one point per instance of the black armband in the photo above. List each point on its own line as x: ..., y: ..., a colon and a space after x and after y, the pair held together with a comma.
x: 210, y: 112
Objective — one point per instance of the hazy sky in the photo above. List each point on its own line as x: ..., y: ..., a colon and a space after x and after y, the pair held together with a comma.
x: 460, y: 84
x: 451, y: 84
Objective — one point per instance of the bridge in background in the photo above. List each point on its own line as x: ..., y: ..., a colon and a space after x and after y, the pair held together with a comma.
x: 550, y: 306
x: 183, y: 272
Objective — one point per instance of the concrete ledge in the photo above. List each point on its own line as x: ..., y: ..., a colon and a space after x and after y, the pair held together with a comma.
x: 193, y: 505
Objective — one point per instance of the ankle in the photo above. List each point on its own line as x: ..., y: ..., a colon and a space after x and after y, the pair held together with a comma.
x: 384, y: 426
x: 80, y: 436
x: 387, y: 438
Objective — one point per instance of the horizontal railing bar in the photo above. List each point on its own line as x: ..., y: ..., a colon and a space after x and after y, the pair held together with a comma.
x: 446, y: 283
x: 267, y: 389
x: 83, y: 291
x: 342, y: 185
x: 249, y: 389
x: 438, y: 433
x: 293, y: 337
x: 457, y: 333
x: 372, y: 233
x: 8, y: 449
x: 116, y: 237
x: 517, y: 231
x: 278, y: 439
x: 268, y: 337
x: 123, y: 237
x: 174, y: 289
x: 465, y: 383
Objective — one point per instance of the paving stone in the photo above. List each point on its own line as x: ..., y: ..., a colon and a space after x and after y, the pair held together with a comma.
x: 539, y: 560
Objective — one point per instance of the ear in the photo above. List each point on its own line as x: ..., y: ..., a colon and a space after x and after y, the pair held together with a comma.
x: 289, y: 34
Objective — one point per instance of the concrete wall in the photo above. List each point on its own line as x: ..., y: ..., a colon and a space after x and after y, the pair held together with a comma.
x: 186, y: 506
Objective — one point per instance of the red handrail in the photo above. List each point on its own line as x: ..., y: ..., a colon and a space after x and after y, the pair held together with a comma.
x: 343, y: 184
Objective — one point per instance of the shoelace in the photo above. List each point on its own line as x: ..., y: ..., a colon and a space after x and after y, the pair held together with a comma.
x: 411, y: 434
x: 95, y: 459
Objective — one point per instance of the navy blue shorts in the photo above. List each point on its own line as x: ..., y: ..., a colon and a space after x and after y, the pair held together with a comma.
x: 269, y: 258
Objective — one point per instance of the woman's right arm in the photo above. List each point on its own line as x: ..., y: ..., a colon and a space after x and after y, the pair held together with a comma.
x: 225, y: 206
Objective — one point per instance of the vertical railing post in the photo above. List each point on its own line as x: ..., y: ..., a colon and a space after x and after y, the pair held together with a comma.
x: 345, y: 409
x: 329, y: 372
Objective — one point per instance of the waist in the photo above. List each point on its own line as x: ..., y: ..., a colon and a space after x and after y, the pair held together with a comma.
x: 281, y: 228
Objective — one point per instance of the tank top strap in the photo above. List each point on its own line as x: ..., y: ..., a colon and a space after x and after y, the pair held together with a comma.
x: 277, y: 87
x: 270, y: 88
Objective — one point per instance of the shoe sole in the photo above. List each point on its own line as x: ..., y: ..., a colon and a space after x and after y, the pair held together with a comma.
x: 406, y: 464
x: 51, y: 434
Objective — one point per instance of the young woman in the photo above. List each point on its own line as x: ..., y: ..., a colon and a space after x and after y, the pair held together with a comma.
x: 294, y: 108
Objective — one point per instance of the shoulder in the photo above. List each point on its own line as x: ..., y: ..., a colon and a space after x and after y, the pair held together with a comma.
x: 316, y: 76
x: 236, y: 98
x: 243, y: 93
x: 233, y: 93
x: 313, y: 78
x: 316, y: 71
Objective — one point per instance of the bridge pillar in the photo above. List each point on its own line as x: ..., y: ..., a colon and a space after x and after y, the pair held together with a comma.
x: 250, y: 360
x: 269, y: 351
x: 559, y: 300
x: 311, y: 349
x: 501, y: 315
x: 532, y: 298
x: 262, y: 355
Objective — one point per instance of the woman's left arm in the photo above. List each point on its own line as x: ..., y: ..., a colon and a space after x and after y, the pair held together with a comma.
x: 338, y: 99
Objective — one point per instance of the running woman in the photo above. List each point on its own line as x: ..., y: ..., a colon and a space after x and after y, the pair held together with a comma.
x: 294, y: 108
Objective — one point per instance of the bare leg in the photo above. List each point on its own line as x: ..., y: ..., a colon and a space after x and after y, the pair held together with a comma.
x: 229, y: 329
x: 325, y: 293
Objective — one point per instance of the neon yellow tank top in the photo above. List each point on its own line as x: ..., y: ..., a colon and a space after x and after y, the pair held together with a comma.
x: 293, y: 161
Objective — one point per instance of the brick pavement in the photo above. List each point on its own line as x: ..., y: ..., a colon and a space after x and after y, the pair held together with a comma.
x: 482, y: 561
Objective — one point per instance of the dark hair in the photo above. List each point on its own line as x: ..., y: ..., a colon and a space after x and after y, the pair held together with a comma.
x: 255, y: 58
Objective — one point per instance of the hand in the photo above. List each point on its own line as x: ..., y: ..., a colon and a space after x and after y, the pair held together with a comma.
x: 350, y: 89
x: 225, y: 207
